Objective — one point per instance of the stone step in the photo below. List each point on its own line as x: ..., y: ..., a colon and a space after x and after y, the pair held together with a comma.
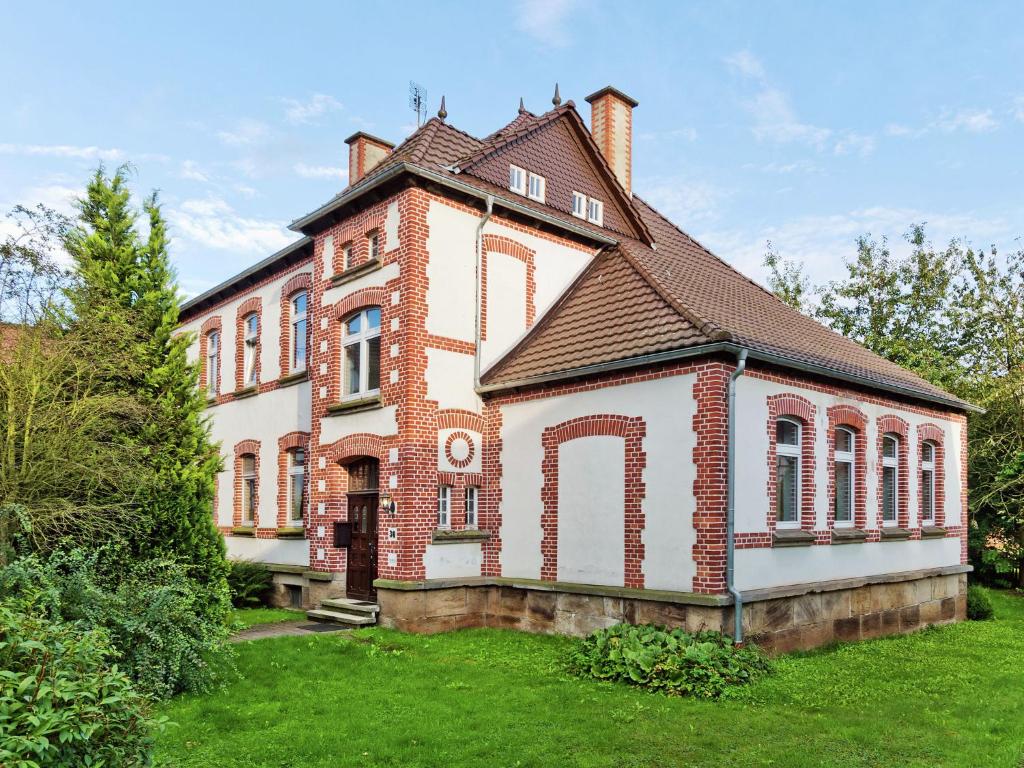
x: 348, y: 619
x: 346, y: 605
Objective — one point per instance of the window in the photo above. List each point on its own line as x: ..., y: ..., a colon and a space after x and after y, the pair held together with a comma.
x: 844, y: 467
x: 890, y: 478
x: 927, y: 483
x: 252, y: 333
x: 212, y: 362
x: 373, y: 245
x: 471, y: 499
x: 517, y: 179
x: 346, y: 256
x: 248, y: 489
x: 361, y: 354
x: 299, y: 302
x: 296, y: 484
x: 595, y: 212
x: 787, y: 473
x: 579, y: 205
x: 537, y: 185
x: 444, y: 506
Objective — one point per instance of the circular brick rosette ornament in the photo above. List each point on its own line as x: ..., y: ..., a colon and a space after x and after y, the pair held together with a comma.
x: 459, y: 450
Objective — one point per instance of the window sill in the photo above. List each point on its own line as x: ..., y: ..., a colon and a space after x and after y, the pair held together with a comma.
x: 241, y: 394
x: 352, y: 273
x: 293, y: 378
x: 792, y: 537
x: 445, y: 536
x: 933, y: 532
x: 848, y: 535
x: 892, y: 533
x: 291, y: 532
x: 211, y: 401
x: 354, y: 406
x: 243, y: 530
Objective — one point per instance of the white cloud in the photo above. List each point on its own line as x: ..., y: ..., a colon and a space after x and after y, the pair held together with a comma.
x: 320, y: 171
x: 853, y: 143
x: 62, y: 150
x: 245, y: 132
x: 683, y: 134
x: 246, y: 191
x: 190, y: 170
x: 1018, y: 109
x: 775, y: 120
x: 212, y: 223
x: 746, y: 63
x: 684, y: 201
x: 970, y: 120
x: 896, y: 129
x: 302, y: 112
x: 545, y: 20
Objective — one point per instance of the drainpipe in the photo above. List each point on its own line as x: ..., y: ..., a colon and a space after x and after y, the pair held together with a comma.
x: 730, y: 504
x: 479, y: 278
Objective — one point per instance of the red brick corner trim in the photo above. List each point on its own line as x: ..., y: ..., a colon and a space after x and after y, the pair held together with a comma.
x: 300, y: 282
x: 856, y: 420
x: 209, y: 325
x: 897, y: 426
x: 793, y: 406
x: 515, y: 249
x: 241, y: 448
x: 632, y: 429
x: 254, y: 304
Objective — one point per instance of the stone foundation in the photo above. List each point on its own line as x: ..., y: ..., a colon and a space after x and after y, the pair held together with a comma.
x: 812, y: 616
x: 310, y: 587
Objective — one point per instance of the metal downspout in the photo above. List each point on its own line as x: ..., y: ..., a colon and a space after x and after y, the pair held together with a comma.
x: 479, y: 278
x: 730, y: 505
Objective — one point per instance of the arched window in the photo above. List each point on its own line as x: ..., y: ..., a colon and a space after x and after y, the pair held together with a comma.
x: 296, y: 485
x: 360, y: 356
x: 299, y: 328
x: 787, y: 473
x: 248, y: 489
x: 212, y: 362
x: 927, y: 483
x: 252, y: 334
x: 844, y: 475
x: 890, y: 478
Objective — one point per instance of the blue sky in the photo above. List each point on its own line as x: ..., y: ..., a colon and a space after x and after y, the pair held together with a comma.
x: 803, y: 123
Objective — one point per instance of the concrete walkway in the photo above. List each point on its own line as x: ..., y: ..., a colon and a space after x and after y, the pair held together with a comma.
x: 285, y: 629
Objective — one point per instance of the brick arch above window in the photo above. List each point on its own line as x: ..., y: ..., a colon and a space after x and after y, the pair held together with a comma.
x: 853, y: 418
x: 293, y: 440
x: 247, y: 446
x: 515, y: 249
x: 210, y: 325
x: 793, y: 406
x: 458, y: 418
x: 356, y: 446
x: 252, y: 305
x: 361, y: 299
x: 300, y: 282
x: 931, y: 432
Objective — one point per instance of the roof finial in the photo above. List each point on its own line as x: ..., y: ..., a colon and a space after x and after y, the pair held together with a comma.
x: 522, y: 106
x: 442, y: 112
x: 557, y: 99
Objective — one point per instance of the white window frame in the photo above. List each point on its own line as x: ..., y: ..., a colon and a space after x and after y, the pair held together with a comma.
x: 846, y: 457
x: 346, y: 257
x: 541, y: 184
x: 373, y: 245
x: 517, y: 179
x: 250, y: 483
x: 929, y: 468
x: 894, y: 463
x: 296, y: 470
x: 595, y: 212
x: 362, y: 338
x: 784, y: 449
x: 212, y: 362
x: 472, y: 506
x: 297, y: 318
x: 251, y: 329
x: 444, y: 507
x: 581, y: 199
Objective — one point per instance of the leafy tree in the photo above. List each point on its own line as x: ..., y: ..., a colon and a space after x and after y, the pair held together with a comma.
x: 787, y: 280
x: 30, y: 275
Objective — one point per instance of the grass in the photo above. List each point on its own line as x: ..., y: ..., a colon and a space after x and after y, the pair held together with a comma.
x: 244, y: 618
x: 951, y: 696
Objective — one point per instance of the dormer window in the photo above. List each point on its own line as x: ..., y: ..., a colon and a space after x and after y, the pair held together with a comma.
x: 579, y: 205
x: 595, y: 212
x: 536, y: 191
x: 517, y: 179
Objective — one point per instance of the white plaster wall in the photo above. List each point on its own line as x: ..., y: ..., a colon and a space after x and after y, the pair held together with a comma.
x: 284, y: 551
x: 391, y: 225
x: 450, y: 380
x: 445, y: 561
x: 378, y: 421
x: 506, y: 305
x: 591, y: 511
x: 668, y: 407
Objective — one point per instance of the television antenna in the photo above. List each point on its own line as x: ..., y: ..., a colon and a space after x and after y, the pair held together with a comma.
x: 418, y: 102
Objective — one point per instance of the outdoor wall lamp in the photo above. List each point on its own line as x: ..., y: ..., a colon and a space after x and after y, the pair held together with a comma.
x: 387, y: 504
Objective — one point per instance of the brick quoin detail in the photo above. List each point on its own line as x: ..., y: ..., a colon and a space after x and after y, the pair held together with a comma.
x: 209, y: 325
x: 464, y: 462
x: 856, y: 420
x: 509, y: 247
x: 285, y: 445
x: 489, y: 504
x: 297, y: 283
x: 252, y: 305
x: 710, y: 425
x: 633, y: 430
x: 933, y: 434
x: 897, y: 426
x: 793, y: 406
x: 242, y: 448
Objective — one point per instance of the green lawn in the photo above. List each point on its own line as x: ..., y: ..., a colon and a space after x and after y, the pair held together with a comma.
x: 250, y: 617
x: 949, y: 696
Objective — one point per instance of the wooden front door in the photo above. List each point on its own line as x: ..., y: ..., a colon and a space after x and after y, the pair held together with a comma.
x: 363, y: 502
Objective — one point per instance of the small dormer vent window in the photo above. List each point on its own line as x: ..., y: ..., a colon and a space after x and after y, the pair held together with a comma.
x: 595, y: 212
x: 536, y: 188
x: 579, y: 205
x: 517, y: 179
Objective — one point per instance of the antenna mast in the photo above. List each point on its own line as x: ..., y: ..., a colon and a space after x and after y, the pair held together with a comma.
x: 418, y: 102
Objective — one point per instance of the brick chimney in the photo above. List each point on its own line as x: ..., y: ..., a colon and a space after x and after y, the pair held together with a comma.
x: 364, y: 153
x: 611, y: 125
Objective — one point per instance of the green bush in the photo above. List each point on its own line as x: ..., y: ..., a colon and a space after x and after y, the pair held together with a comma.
x: 249, y: 583
x: 62, y: 703
x: 979, y: 604
x: 702, y: 664
x: 156, y: 618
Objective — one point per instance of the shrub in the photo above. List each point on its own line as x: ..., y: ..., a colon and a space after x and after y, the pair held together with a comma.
x: 249, y: 583
x: 156, y: 618
x: 62, y: 704
x: 702, y: 664
x: 979, y: 604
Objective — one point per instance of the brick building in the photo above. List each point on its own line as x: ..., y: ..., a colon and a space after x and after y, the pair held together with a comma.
x: 490, y: 385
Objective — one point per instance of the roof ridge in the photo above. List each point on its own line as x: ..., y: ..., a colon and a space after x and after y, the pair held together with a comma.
x: 504, y: 139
